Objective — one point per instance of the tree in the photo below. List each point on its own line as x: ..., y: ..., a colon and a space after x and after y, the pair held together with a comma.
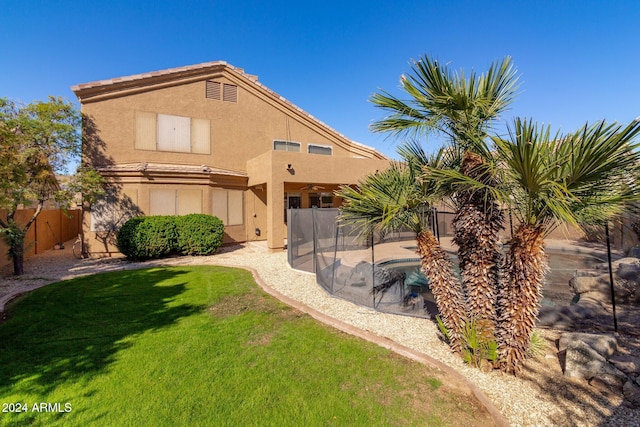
x: 397, y: 199
x: 548, y: 179
x: 463, y: 109
x: 37, y: 140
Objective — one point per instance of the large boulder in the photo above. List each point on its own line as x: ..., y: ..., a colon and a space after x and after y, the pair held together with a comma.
x: 581, y: 361
x: 626, y: 281
x: 628, y: 364
x: 604, y: 345
x: 632, y: 393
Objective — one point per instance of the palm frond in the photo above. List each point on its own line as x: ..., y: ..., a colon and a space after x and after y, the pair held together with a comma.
x: 440, y: 100
x: 390, y: 200
x: 555, y: 177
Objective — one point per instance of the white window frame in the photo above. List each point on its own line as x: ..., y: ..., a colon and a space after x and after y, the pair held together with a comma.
x: 320, y: 146
x: 288, y: 145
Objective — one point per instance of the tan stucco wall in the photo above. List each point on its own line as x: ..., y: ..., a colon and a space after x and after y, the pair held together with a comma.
x: 325, y: 171
x: 242, y: 135
x: 239, y: 131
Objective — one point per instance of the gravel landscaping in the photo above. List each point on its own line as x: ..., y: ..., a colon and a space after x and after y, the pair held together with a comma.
x: 539, y: 396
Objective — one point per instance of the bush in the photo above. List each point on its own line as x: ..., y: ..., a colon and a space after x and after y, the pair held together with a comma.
x: 199, y: 234
x: 126, y: 238
x: 149, y: 237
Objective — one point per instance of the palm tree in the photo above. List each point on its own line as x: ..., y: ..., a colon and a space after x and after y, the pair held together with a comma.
x: 551, y: 179
x: 463, y: 109
x: 398, y: 199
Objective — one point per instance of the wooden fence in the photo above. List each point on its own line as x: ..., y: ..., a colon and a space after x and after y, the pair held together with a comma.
x: 52, y: 226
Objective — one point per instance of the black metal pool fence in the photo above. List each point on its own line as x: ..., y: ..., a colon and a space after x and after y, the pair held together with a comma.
x: 379, y: 272
x: 382, y: 271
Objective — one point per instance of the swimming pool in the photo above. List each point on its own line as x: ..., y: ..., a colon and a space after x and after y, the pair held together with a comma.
x: 556, y: 290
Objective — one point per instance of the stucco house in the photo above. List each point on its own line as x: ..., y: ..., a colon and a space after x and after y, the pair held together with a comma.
x: 210, y: 138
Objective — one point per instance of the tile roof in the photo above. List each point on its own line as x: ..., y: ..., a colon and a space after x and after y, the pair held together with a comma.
x: 142, y: 76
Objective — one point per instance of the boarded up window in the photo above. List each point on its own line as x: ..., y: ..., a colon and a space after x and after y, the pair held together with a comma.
x: 174, y: 133
x: 162, y: 202
x: 219, y: 205
x: 189, y: 202
x: 213, y: 90
x: 175, y: 202
x: 165, y: 132
x: 200, y: 136
x: 113, y: 210
x: 230, y: 93
x: 228, y: 205
x: 235, y: 205
x: 145, y: 131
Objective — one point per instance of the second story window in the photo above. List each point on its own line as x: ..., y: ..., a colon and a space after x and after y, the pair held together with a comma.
x: 286, y: 146
x: 326, y: 150
x: 166, y: 132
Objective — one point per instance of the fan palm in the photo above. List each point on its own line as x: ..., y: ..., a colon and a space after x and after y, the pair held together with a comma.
x: 554, y: 179
x: 398, y: 199
x: 462, y: 108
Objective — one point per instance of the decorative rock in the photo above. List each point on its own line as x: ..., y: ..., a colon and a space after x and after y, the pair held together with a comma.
x: 583, y: 284
x: 587, y: 273
x: 630, y: 365
x: 629, y: 270
x: 626, y: 288
x: 634, y: 252
x: 582, y: 361
x: 604, y: 345
x: 632, y: 393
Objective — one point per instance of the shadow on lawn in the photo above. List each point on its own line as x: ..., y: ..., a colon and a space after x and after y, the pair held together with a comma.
x: 72, y: 330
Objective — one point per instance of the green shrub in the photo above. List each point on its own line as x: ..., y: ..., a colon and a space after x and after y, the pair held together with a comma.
x: 158, y: 237
x: 199, y: 234
x: 147, y: 237
x: 126, y: 238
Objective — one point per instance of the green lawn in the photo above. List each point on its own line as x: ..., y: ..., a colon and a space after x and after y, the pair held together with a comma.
x: 202, y: 346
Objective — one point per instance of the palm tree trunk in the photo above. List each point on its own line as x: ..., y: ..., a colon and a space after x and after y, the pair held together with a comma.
x: 477, y: 222
x: 444, y: 285
x: 519, y: 297
x: 480, y: 257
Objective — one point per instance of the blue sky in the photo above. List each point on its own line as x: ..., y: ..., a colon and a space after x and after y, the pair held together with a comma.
x: 578, y: 60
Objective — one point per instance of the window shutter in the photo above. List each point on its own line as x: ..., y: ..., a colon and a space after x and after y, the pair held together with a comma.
x: 219, y: 205
x: 174, y: 133
x: 236, y: 216
x: 230, y: 93
x: 213, y: 90
x: 200, y: 136
x: 189, y: 201
x: 145, y: 138
x: 162, y: 202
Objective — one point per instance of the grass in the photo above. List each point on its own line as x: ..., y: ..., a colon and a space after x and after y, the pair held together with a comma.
x: 202, y: 346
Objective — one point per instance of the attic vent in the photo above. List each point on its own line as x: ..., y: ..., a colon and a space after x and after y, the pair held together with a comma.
x: 230, y: 93
x: 213, y: 90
